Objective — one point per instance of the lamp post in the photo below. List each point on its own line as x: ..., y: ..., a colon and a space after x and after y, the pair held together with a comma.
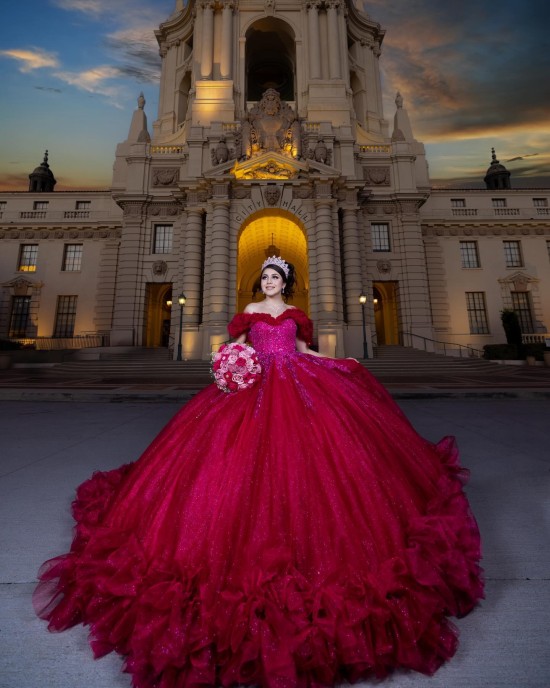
x: 181, y: 301
x: 363, y: 301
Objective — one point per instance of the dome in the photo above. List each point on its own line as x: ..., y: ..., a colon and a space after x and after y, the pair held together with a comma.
x: 42, y: 179
x: 497, y: 176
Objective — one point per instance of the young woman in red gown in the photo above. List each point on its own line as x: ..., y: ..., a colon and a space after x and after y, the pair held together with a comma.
x: 297, y: 533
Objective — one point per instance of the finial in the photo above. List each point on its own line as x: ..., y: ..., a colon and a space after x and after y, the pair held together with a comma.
x: 46, y: 157
x: 494, y: 156
x: 141, y: 101
x: 399, y: 100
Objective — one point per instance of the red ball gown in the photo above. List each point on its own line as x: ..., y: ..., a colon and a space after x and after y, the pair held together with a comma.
x: 297, y: 533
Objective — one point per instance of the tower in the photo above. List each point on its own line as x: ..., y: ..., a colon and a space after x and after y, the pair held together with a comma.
x: 270, y: 131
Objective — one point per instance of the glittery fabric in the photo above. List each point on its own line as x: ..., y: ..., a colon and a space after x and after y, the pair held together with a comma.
x: 298, y: 533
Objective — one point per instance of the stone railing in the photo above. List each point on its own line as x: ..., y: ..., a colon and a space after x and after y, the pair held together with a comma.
x: 506, y: 211
x: 464, y: 211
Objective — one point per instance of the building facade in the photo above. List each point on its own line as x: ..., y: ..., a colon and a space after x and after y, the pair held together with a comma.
x: 270, y: 138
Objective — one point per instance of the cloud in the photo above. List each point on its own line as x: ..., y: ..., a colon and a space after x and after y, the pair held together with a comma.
x: 137, y: 50
x: 48, y: 88
x: 92, y: 8
x: 34, y: 58
x: 13, y: 182
x: 93, y: 80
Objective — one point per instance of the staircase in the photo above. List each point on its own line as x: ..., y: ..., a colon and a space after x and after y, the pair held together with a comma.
x: 135, y: 365
x: 152, y: 366
x: 406, y: 361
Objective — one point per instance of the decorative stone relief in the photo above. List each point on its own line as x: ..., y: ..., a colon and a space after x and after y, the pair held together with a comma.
x: 166, y: 176
x: 88, y: 234
x: 29, y: 234
x: 241, y: 192
x: 377, y: 176
x: 271, y: 125
x: 384, y: 266
x: 160, y: 267
x: 44, y: 234
x: 321, y: 153
x: 271, y: 170
x: 220, y: 153
x: 303, y: 192
x: 14, y: 234
x: 157, y: 210
x: 59, y: 234
x: 272, y: 195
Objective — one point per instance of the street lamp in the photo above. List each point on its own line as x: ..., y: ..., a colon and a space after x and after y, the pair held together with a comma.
x: 181, y: 301
x: 363, y: 301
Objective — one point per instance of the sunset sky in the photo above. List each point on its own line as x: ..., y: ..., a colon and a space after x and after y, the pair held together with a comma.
x: 473, y: 75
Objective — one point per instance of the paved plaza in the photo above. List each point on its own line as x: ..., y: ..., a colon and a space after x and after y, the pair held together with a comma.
x: 48, y: 447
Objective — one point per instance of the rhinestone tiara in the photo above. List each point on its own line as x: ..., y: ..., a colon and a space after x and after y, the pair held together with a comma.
x: 279, y: 262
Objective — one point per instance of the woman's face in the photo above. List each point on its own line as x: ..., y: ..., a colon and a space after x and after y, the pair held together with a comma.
x: 271, y: 282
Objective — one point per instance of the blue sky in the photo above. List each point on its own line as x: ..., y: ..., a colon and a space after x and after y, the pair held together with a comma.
x: 473, y: 75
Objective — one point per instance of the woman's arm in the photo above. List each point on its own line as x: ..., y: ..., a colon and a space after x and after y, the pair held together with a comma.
x: 303, y: 348
x: 241, y: 339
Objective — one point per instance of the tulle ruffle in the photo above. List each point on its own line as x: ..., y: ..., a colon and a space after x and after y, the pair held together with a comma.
x: 267, y: 624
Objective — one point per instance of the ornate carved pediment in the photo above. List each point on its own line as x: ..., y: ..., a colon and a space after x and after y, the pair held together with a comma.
x: 519, y: 281
x: 269, y: 166
x: 21, y: 286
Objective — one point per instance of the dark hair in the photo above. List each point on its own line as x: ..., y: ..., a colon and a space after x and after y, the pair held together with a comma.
x: 289, y: 281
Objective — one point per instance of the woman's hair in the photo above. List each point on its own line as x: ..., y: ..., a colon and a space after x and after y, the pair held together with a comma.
x: 289, y: 281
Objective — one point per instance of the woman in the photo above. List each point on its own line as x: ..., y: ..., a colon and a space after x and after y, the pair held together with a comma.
x: 297, y: 533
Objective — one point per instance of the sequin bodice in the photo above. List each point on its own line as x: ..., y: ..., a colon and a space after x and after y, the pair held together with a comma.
x: 278, y: 336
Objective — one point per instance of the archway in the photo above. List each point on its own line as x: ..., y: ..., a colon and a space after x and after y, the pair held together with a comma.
x: 385, y: 312
x: 158, y: 305
x: 270, y: 59
x: 268, y: 233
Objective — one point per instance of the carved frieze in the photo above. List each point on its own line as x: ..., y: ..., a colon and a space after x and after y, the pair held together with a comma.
x: 384, y: 266
x: 166, y: 176
x: 377, y: 176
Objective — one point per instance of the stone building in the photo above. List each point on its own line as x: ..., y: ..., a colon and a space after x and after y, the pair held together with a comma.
x: 270, y: 138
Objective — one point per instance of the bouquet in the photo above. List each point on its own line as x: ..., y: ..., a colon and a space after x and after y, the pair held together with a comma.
x: 235, y: 367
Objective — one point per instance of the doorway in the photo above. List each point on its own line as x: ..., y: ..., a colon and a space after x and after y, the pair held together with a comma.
x: 158, y: 304
x: 385, y: 312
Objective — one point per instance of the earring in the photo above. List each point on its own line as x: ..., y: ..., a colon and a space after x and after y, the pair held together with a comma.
x: 283, y: 290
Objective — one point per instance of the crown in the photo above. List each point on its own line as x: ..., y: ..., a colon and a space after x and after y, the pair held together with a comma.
x: 279, y: 262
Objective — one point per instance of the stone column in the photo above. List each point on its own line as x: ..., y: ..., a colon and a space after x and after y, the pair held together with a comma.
x: 219, y: 257
x: 333, y: 39
x: 192, y: 264
x: 129, y: 295
x: 227, y: 41
x: 207, y: 36
x: 324, y: 242
x: 353, y: 273
x: 314, y: 44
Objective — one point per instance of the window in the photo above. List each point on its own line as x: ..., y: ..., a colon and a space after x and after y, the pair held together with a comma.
x: 522, y: 306
x: 19, y: 319
x: 72, y: 258
x: 548, y: 248
x: 28, y: 254
x: 65, y: 316
x: 83, y: 205
x: 499, y: 203
x: 458, y: 202
x: 3, y: 205
x: 512, y: 254
x: 469, y: 254
x: 40, y: 205
x: 540, y: 202
x: 380, y: 236
x: 163, y: 239
x: 477, y: 312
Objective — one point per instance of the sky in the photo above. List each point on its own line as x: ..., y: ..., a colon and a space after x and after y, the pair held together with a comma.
x: 473, y: 75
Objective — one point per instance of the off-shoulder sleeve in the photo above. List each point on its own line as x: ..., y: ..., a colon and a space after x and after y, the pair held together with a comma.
x: 239, y: 325
x: 305, y: 326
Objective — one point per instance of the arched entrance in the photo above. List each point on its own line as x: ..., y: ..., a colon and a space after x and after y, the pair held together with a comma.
x: 268, y: 233
x: 270, y: 59
x: 385, y: 312
x: 158, y: 309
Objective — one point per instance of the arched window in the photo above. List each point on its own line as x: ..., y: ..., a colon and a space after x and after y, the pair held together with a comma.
x: 270, y: 59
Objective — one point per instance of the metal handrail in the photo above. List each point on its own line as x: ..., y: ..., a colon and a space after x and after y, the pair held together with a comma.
x: 472, y: 352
